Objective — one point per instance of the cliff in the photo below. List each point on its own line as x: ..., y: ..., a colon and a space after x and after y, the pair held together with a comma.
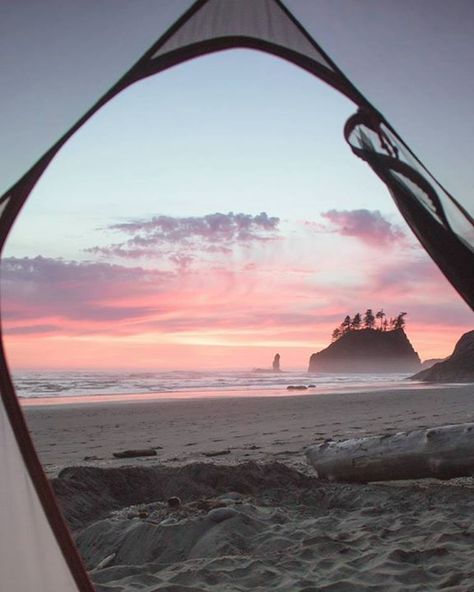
x: 459, y: 367
x: 431, y: 362
x: 367, y: 351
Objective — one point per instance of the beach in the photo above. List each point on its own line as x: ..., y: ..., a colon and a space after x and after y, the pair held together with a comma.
x: 252, y: 514
x: 261, y: 428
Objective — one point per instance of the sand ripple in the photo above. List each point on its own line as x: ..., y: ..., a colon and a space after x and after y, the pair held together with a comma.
x: 266, y: 527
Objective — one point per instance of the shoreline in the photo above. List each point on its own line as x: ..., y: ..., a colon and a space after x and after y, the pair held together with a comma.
x: 228, y: 393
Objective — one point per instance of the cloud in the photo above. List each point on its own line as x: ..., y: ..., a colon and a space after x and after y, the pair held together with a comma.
x: 48, y: 270
x: 31, y: 329
x: 46, y: 296
x: 408, y: 274
x: 41, y: 287
x: 414, y: 275
x: 212, y: 227
x: 182, y: 261
x: 369, y: 226
x: 92, y: 314
x: 290, y: 295
x: 176, y: 237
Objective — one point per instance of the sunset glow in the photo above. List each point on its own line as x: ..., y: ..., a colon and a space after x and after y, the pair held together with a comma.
x: 221, y: 309
x: 248, y: 229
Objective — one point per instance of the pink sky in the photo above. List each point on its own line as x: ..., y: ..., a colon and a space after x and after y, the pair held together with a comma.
x: 223, y: 291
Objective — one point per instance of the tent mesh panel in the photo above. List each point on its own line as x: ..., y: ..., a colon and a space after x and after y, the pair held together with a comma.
x: 259, y: 19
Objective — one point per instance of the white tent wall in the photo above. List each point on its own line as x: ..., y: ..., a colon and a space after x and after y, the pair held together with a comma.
x: 31, y: 558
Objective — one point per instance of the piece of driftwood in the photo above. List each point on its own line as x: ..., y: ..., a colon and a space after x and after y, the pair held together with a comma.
x: 443, y: 453
x: 135, y: 453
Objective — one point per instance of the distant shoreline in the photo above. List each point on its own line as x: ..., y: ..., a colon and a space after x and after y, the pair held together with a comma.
x: 226, y: 394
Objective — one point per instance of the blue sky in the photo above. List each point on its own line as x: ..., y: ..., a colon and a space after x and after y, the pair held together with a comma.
x: 215, y: 134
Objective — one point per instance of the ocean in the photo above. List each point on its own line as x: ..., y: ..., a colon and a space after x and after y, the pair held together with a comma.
x: 175, y: 384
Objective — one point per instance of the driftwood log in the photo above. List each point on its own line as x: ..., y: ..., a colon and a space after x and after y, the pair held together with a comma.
x: 443, y: 453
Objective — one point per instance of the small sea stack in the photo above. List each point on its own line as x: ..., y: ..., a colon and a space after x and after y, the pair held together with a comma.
x: 276, y: 363
x: 275, y: 366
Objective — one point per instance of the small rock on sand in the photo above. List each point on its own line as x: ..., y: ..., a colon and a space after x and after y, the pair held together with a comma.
x: 216, y: 453
x: 174, y: 502
x: 135, y: 453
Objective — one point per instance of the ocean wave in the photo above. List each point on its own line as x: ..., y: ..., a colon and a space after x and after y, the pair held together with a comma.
x: 73, y: 383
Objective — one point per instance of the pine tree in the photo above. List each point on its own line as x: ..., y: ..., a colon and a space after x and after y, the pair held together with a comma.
x: 369, y: 319
x: 356, y: 321
x: 346, y: 324
x: 399, y: 322
x: 380, y: 316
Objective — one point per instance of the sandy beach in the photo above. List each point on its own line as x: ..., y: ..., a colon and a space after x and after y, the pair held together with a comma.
x: 252, y: 514
x: 259, y: 428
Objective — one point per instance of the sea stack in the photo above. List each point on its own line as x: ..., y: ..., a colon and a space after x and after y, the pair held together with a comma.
x: 459, y: 367
x: 276, y: 363
x: 367, y: 351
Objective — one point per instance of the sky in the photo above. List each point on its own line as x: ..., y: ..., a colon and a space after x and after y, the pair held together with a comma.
x: 210, y: 217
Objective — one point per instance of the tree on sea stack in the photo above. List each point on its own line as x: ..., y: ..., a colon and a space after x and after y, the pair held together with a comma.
x: 369, y: 322
x: 369, y: 319
x: 356, y: 321
x: 380, y: 315
x: 346, y: 324
x: 400, y: 321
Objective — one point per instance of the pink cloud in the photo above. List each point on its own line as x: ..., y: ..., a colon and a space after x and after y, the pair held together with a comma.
x: 173, y: 236
x: 368, y: 226
x: 286, y: 296
x: 44, y: 295
x: 45, y: 288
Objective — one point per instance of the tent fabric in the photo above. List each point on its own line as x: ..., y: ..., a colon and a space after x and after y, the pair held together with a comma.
x: 36, y: 550
x: 265, y: 25
x: 442, y: 225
